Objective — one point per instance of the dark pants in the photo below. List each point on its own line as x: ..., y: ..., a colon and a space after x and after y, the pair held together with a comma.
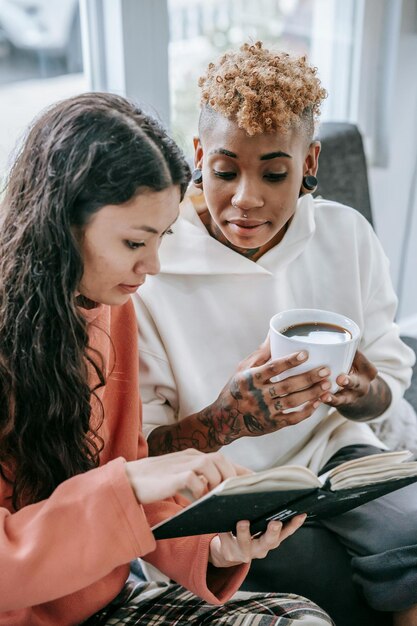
x: 316, y: 563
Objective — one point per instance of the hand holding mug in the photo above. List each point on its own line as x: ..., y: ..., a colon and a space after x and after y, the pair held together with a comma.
x: 331, y: 340
x: 363, y: 394
x: 251, y: 405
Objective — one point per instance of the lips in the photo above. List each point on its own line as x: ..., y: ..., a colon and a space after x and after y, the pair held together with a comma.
x: 131, y: 288
x: 246, y: 228
x: 247, y: 223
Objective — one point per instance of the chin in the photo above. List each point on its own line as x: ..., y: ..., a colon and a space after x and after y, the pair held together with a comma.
x: 247, y: 243
x: 118, y: 300
x: 112, y: 299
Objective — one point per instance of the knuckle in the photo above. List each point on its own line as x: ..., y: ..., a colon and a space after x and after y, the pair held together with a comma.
x: 278, y: 406
x: 290, y: 361
x: 293, y: 419
x: 285, y: 386
x: 312, y: 377
x: 291, y: 402
x: 189, y: 476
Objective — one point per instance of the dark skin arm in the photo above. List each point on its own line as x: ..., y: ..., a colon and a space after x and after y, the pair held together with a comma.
x: 364, y: 394
x: 249, y: 405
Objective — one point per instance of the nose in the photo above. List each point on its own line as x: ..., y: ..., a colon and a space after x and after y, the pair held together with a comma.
x: 247, y: 195
x: 149, y: 264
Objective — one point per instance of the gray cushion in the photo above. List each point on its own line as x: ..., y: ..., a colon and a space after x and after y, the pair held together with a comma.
x: 411, y: 393
x: 342, y: 171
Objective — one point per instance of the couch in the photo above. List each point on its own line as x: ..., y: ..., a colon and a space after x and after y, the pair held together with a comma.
x: 343, y: 177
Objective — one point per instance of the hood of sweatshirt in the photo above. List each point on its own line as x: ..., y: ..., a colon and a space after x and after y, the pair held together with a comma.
x: 192, y: 250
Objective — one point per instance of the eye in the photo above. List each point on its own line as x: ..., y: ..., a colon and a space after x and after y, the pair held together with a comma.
x: 133, y: 245
x: 274, y: 178
x: 224, y: 175
x: 168, y: 232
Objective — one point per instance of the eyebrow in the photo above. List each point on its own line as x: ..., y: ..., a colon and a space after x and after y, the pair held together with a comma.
x: 149, y: 229
x: 274, y: 155
x: 264, y: 157
x: 224, y: 151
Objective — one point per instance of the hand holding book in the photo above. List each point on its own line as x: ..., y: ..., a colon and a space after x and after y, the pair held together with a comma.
x: 283, y: 492
x: 227, y: 549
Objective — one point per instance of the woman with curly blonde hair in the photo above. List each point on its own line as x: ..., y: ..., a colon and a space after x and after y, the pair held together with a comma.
x: 252, y: 243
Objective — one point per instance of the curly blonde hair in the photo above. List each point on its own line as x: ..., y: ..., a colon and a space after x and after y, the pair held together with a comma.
x: 263, y: 91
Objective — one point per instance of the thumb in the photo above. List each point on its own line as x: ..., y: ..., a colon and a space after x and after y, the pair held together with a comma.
x: 263, y: 353
x: 242, y: 471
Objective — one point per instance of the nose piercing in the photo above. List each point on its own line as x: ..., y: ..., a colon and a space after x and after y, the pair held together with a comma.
x: 235, y: 206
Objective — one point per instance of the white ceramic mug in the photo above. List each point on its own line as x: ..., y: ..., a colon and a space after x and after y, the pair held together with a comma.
x: 337, y: 357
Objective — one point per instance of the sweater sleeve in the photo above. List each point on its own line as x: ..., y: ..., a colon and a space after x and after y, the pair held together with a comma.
x: 381, y: 341
x: 174, y: 556
x: 157, y: 384
x: 40, y: 539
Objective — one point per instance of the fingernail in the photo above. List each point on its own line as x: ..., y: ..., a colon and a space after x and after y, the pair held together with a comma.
x: 345, y: 380
x: 324, y: 371
x: 316, y: 405
x: 325, y: 386
x: 301, y: 356
x: 328, y: 399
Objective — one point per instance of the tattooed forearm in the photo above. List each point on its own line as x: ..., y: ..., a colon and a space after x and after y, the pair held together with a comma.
x: 187, y: 434
x: 247, y: 406
x: 372, y: 405
x: 227, y: 419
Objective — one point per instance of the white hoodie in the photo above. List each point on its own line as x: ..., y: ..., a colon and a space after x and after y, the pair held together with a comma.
x: 210, y: 307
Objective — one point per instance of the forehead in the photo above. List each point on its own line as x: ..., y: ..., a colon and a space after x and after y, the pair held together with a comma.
x: 226, y: 134
x: 155, y: 209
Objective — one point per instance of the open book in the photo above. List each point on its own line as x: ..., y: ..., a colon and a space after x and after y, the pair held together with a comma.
x: 282, y: 492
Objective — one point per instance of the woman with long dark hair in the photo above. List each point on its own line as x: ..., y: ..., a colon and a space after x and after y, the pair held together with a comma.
x: 95, y: 187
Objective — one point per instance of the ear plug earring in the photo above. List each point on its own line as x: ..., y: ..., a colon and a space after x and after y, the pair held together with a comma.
x: 309, y: 183
x: 197, y: 176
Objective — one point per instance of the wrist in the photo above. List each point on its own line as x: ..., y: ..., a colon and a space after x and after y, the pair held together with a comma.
x: 193, y: 431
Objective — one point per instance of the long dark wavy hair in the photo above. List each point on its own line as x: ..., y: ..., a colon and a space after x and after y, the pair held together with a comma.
x: 83, y: 153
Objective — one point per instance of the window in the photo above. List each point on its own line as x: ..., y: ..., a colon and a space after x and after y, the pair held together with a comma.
x: 40, y: 63
x: 200, y: 30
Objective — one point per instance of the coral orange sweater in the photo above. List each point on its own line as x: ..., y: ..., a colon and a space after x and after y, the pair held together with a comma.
x: 64, y: 558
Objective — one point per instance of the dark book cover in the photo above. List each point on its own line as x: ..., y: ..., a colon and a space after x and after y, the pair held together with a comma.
x: 220, y: 513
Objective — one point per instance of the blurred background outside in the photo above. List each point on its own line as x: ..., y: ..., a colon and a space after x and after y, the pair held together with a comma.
x: 41, y: 52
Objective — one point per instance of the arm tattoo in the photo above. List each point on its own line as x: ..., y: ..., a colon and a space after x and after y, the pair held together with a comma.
x: 219, y: 424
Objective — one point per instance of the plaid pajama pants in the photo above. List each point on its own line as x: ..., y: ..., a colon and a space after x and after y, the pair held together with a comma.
x: 162, y: 604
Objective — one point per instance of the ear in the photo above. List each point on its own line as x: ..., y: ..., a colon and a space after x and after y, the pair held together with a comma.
x: 198, y: 152
x: 311, y: 162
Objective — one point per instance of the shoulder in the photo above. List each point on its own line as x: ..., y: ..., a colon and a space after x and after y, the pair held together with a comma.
x: 330, y: 208
x: 330, y: 215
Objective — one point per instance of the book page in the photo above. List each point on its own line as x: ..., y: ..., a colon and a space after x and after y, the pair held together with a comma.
x: 283, y: 478
x: 372, y: 469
